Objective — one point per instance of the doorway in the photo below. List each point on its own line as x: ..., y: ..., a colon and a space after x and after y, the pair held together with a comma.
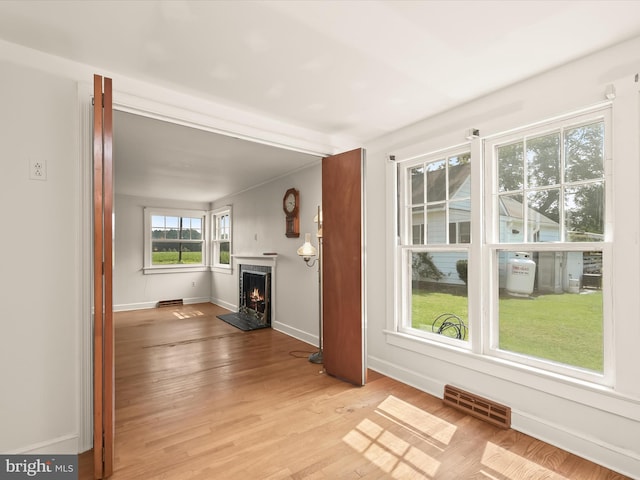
x: 192, y: 135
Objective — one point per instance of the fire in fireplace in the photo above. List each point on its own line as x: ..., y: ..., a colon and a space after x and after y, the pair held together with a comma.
x: 255, y: 290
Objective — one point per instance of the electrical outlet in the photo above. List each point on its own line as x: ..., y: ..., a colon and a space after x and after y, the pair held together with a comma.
x: 193, y: 284
x: 37, y: 169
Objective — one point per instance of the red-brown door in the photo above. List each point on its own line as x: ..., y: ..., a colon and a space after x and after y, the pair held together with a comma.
x: 342, y: 266
x: 103, y: 365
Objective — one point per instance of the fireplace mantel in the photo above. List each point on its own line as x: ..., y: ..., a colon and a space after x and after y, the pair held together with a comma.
x: 256, y: 259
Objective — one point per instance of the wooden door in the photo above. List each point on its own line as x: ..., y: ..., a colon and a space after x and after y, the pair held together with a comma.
x: 103, y: 365
x: 342, y: 266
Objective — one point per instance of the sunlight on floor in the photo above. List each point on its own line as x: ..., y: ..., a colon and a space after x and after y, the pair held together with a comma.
x: 416, y: 419
x: 390, y: 453
x: 407, y: 457
x: 182, y: 314
x: 509, y: 465
x: 393, y: 454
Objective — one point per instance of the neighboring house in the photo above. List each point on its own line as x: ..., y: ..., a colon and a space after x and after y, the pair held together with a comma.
x: 555, y: 273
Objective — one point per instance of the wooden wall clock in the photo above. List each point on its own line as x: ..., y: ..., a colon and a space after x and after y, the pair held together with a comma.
x: 291, y: 207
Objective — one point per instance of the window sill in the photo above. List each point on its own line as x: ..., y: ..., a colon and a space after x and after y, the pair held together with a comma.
x: 174, y: 269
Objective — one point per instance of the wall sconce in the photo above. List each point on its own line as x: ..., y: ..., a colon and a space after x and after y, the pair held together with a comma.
x: 307, y: 251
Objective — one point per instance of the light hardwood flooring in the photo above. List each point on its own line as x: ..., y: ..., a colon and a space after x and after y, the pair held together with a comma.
x: 199, y: 399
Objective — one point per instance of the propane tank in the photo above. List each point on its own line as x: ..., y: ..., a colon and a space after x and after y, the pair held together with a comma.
x: 521, y: 273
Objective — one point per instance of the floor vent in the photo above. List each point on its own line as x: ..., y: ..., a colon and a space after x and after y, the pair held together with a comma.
x: 478, y: 407
x: 170, y: 303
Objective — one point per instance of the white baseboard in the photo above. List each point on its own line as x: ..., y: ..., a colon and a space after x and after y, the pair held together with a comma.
x: 223, y: 304
x: 410, y: 377
x: 191, y: 301
x: 593, y: 449
x: 126, y: 307
x: 64, y: 445
x: 295, y: 333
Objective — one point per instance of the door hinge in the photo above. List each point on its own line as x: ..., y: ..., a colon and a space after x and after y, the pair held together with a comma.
x: 93, y: 101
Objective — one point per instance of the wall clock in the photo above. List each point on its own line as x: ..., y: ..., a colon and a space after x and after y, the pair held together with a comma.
x: 290, y: 205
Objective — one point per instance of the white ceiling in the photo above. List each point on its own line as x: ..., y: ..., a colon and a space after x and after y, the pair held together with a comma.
x: 350, y: 69
x: 157, y: 159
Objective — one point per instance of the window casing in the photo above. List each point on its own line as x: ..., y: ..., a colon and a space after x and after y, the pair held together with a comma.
x: 221, y: 238
x: 539, y: 223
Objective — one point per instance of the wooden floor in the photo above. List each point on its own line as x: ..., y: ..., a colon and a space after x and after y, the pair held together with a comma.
x: 199, y: 399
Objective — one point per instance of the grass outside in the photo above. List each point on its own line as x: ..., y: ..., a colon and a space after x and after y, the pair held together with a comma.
x: 565, y: 328
x: 170, y: 258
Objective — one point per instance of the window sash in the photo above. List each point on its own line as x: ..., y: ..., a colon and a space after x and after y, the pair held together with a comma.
x: 431, y: 187
x: 429, y: 192
x: 428, y: 330
x: 514, y: 202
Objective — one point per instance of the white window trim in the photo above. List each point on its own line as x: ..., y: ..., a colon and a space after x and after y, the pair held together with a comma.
x: 148, y: 267
x: 215, y: 266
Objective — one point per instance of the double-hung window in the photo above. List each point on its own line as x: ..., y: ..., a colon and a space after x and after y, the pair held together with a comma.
x: 174, y: 239
x: 533, y: 244
x: 221, y: 238
x: 434, y: 239
x: 547, y: 242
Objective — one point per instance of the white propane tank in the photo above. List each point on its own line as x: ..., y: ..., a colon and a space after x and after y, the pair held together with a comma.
x: 521, y: 273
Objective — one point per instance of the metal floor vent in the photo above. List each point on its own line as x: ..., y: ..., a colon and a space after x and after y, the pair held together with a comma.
x: 170, y: 303
x: 478, y: 407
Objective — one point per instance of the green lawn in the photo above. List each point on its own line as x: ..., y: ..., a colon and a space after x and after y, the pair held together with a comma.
x: 565, y: 328
x: 167, y: 258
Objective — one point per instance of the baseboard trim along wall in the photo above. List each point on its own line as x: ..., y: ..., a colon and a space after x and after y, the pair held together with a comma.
x: 64, y: 445
x: 126, y: 307
x: 295, y: 333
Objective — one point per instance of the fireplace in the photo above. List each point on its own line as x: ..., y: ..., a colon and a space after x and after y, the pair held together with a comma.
x: 255, y: 293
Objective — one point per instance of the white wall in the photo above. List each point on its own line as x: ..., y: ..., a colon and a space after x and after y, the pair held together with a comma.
x: 258, y: 227
x: 596, y: 422
x: 132, y: 289
x: 39, y: 298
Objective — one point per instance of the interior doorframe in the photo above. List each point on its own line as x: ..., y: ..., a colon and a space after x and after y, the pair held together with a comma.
x: 213, y: 120
x: 85, y: 169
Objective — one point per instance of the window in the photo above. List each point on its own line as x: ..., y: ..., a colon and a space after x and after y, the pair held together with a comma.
x: 221, y: 238
x: 533, y: 239
x: 547, y: 244
x: 435, y: 222
x: 460, y: 232
x: 174, y: 239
